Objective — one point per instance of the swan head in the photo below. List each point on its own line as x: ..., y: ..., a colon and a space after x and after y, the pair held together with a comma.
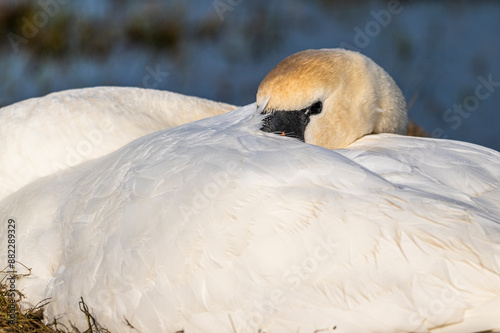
x: 331, y: 98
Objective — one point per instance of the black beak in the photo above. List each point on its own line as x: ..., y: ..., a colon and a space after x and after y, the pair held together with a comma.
x: 291, y: 123
x: 288, y: 123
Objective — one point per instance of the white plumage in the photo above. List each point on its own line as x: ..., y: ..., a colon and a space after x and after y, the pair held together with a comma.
x: 185, y: 226
x: 41, y: 136
x: 216, y: 223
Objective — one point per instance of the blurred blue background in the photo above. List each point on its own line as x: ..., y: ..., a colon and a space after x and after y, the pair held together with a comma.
x: 444, y: 55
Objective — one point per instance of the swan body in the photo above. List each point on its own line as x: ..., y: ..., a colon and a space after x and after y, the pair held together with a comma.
x: 217, y: 226
x: 42, y: 136
x: 217, y: 218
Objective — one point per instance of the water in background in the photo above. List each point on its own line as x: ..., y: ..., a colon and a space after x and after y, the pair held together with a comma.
x: 444, y: 55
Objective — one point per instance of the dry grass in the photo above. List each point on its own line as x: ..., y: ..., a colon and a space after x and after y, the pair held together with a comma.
x: 31, y: 320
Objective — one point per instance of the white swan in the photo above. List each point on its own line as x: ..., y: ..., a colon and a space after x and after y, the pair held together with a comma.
x: 216, y: 224
x: 41, y: 136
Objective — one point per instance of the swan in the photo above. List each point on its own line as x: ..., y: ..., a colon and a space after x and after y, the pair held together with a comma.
x: 42, y: 136
x: 336, y: 224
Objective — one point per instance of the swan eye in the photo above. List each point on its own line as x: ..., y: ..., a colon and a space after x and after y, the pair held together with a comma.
x: 315, y: 108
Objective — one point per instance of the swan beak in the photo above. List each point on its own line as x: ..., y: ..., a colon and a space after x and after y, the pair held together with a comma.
x: 286, y: 123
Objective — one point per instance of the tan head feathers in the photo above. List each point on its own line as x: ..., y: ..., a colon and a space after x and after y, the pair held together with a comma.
x: 357, y: 95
